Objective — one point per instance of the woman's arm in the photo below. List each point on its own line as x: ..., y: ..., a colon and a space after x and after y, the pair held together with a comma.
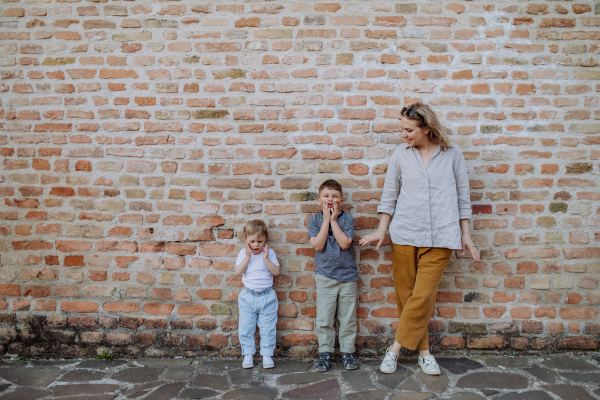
x: 466, y: 241
x: 463, y: 190
x: 379, y: 234
x: 389, y: 197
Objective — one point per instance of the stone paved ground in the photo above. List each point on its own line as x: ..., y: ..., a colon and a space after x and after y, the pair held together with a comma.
x: 465, y: 377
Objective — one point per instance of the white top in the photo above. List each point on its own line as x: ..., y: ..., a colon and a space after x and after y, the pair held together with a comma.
x: 426, y: 204
x: 257, y: 276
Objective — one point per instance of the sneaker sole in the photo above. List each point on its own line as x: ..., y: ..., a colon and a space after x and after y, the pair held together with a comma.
x: 430, y: 373
x: 386, y: 372
x: 247, y: 366
x: 268, y: 366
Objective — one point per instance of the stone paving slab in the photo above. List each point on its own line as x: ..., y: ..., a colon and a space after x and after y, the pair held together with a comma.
x: 53, y: 362
x: 100, y: 364
x: 368, y: 395
x: 179, y: 373
x: 469, y: 376
x: 493, y: 380
x: 22, y: 393
x: 82, y: 375
x: 137, y: 375
x: 35, y: 376
x: 89, y: 397
x: 218, y: 382
x: 358, y: 380
x: 329, y: 389
x: 195, y: 393
x: 573, y: 364
x: 569, y: 392
x: 543, y: 374
x: 459, y: 365
x: 72, y: 390
x: 413, y: 396
x: 465, y: 396
x: 161, y: 362
x: 141, y: 390
x: 530, y: 395
x: 168, y: 391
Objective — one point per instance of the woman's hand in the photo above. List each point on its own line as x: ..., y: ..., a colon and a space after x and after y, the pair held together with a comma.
x: 265, y: 252
x: 375, y: 236
x: 467, y: 243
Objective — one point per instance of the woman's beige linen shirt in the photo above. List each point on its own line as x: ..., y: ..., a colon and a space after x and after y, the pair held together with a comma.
x: 426, y: 204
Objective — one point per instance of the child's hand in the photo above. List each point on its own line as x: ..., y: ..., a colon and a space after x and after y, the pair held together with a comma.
x: 335, y: 212
x: 248, y: 253
x: 375, y: 236
x: 326, y: 213
x: 265, y: 252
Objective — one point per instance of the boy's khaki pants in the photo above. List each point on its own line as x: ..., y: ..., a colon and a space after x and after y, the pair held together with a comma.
x: 417, y: 274
x: 331, y: 296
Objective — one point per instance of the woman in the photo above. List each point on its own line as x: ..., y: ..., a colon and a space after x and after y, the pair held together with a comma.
x: 426, y: 198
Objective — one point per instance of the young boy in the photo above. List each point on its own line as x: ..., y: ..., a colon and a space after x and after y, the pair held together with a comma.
x: 331, y: 233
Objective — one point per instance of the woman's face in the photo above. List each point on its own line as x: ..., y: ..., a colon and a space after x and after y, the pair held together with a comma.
x: 255, y: 243
x: 413, y: 134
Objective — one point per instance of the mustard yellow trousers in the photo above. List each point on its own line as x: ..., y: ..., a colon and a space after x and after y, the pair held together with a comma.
x: 417, y: 273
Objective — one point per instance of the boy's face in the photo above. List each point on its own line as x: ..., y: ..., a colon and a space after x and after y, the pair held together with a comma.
x: 329, y: 197
x: 255, y: 243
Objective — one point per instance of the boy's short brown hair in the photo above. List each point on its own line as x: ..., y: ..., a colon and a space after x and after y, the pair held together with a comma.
x: 330, y: 184
x: 256, y: 226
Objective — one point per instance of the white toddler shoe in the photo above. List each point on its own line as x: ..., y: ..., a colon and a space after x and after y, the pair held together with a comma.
x: 248, y: 361
x: 268, y: 362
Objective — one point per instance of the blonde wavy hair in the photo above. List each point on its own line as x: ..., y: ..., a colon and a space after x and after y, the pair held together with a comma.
x: 426, y: 118
x: 256, y: 226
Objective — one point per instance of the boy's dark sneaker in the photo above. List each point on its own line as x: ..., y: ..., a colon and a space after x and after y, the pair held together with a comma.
x: 350, y: 362
x: 323, y: 362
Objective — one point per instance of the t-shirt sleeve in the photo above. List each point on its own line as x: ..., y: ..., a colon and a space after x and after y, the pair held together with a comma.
x: 273, y: 257
x: 313, y: 226
x: 348, y: 226
x: 241, y: 256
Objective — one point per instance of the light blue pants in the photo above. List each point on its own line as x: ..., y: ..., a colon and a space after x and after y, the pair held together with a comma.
x: 258, y: 308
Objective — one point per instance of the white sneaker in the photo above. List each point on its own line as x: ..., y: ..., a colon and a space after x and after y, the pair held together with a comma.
x: 268, y: 362
x: 389, y: 363
x: 248, y: 361
x: 429, y: 365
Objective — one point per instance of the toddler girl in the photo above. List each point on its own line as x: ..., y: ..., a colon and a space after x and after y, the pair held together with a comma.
x: 257, y: 302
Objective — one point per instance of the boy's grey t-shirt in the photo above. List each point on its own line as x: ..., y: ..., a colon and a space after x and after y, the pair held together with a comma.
x: 333, y: 262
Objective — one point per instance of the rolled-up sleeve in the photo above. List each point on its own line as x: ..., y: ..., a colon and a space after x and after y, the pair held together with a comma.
x: 391, y: 186
x: 462, y: 186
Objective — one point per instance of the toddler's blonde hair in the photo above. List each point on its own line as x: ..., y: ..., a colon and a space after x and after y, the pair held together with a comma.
x: 256, y: 226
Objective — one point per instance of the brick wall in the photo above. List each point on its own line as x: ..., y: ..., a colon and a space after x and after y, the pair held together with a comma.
x: 138, y: 137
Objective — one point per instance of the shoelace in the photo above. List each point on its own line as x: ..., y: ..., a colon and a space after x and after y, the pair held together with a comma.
x: 428, y: 362
x: 389, y: 360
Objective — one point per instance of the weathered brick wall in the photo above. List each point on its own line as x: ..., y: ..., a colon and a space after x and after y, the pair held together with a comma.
x: 137, y: 138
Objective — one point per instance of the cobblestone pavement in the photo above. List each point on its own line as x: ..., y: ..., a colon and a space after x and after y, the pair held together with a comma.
x: 465, y: 377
